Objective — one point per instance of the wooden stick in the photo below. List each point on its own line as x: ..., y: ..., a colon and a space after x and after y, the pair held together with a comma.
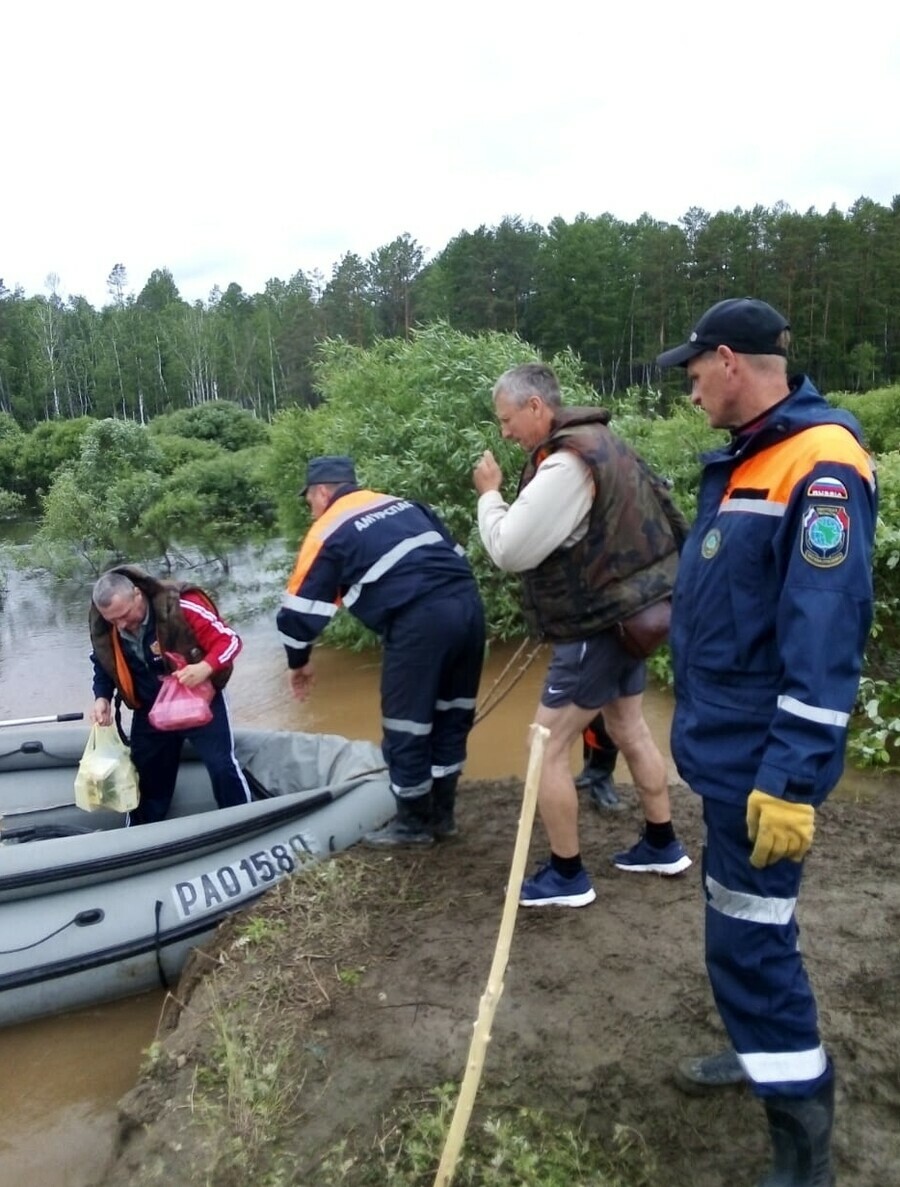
x: 491, y: 996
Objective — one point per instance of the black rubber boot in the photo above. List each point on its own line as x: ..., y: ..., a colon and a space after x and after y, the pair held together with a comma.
x: 598, y: 765
x: 443, y: 802
x: 603, y: 796
x: 596, y: 776
x: 410, y: 827
x: 801, y: 1140
x: 708, y: 1073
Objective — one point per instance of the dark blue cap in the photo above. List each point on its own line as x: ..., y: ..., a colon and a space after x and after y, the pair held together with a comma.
x: 335, y: 468
x: 746, y: 325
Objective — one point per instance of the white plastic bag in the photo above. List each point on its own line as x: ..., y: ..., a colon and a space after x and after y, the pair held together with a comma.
x: 106, y: 777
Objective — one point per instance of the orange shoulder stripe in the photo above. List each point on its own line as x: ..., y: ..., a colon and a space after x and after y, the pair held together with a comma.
x: 346, y: 507
x: 779, y: 468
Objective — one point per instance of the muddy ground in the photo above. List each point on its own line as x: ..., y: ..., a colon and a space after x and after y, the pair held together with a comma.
x: 598, y: 1005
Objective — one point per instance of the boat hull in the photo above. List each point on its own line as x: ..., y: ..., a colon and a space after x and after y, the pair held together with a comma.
x: 98, y: 915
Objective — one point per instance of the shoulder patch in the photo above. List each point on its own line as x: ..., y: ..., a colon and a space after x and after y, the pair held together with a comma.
x: 826, y: 488
x: 825, y: 536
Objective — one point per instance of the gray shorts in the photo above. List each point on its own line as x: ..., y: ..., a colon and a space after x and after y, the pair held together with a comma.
x: 591, y: 673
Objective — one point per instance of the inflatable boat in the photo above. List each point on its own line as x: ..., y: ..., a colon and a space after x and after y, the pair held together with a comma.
x: 92, y: 910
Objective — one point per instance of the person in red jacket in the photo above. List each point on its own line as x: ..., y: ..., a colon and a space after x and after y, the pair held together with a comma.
x: 135, y: 620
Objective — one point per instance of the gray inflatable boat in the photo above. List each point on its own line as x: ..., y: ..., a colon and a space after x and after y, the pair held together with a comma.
x: 91, y: 910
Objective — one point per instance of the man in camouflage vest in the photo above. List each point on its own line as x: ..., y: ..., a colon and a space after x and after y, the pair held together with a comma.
x: 595, y: 542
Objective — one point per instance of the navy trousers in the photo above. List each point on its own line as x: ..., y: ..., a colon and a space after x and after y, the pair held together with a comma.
x: 753, y: 959
x: 157, y: 753
x: 431, y: 668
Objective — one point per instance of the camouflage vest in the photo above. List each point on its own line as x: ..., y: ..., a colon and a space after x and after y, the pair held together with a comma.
x: 172, y: 631
x: 629, y: 555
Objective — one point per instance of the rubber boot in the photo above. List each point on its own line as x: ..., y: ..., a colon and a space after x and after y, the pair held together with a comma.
x: 709, y: 1073
x: 603, y: 796
x: 410, y: 827
x: 598, y: 765
x: 443, y: 802
x: 801, y: 1140
x: 596, y: 778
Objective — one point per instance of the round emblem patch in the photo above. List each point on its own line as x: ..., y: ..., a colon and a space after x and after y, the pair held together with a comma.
x: 825, y: 538
x: 710, y: 545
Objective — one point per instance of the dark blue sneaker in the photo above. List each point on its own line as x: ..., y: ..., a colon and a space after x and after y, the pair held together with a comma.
x: 547, y: 888
x: 644, y: 859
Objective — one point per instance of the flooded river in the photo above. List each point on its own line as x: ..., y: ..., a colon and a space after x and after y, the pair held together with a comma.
x: 63, y: 1076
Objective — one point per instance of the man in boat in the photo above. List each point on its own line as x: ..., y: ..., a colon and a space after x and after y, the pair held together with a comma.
x: 594, y: 543
x: 771, y: 612
x: 393, y: 564
x: 134, y: 620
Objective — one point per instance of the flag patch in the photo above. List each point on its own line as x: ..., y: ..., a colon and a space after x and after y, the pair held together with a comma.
x: 826, y: 488
x: 825, y: 537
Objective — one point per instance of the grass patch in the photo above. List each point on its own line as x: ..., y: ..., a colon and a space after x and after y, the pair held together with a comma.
x: 304, y: 938
x: 508, y: 1148
x: 244, y: 1094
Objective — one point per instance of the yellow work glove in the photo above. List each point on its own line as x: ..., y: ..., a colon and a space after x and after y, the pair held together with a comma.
x: 779, y: 828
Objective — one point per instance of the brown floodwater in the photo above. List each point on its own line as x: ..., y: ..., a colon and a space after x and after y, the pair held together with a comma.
x: 63, y: 1076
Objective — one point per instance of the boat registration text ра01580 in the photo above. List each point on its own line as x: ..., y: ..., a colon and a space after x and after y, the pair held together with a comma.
x: 241, y: 879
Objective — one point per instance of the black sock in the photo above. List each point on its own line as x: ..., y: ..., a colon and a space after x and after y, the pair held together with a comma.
x: 659, y: 835
x: 566, y: 867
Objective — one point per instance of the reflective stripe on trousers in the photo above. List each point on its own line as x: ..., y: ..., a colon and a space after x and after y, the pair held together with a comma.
x: 433, y: 653
x: 753, y: 959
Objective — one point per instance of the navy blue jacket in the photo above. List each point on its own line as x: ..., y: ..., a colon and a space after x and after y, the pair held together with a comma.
x: 373, y: 554
x: 773, y: 604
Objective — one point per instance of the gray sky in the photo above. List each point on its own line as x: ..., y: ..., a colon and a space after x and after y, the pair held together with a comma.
x: 237, y: 142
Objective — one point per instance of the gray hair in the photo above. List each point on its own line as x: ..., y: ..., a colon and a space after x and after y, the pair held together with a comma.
x: 519, y: 384
x: 109, y: 586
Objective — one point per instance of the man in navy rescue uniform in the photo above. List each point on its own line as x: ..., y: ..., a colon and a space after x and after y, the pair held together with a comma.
x: 772, y: 608
x: 392, y: 563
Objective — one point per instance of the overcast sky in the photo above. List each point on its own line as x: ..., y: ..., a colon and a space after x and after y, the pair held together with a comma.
x: 239, y: 142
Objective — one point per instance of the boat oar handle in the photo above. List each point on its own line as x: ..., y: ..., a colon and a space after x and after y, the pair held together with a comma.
x: 40, y: 720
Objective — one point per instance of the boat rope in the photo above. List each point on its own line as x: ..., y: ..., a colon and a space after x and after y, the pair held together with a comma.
x: 35, y: 943
x: 163, y: 979
x: 496, y: 693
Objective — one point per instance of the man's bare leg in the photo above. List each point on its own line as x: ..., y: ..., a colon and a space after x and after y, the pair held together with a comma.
x: 626, y: 725
x: 658, y: 850
x: 557, y: 797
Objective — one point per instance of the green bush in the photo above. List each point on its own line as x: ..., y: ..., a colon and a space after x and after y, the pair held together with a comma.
x: 416, y: 416
x: 217, y: 504
x: 219, y: 421
x: 878, y: 411
x: 96, y: 502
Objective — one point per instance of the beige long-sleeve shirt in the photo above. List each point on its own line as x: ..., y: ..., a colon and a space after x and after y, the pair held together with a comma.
x: 552, y: 511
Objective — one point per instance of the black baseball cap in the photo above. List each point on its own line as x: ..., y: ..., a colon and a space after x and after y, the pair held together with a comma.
x: 745, y: 324
x: 333, y: 468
